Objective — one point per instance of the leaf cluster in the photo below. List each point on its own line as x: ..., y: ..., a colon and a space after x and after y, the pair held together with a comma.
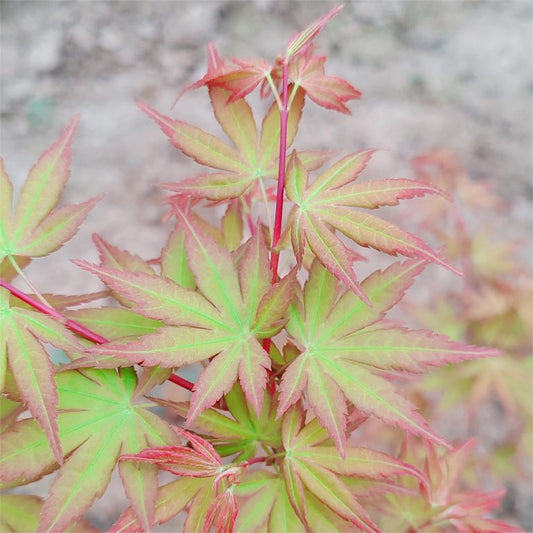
x: 294, y: 357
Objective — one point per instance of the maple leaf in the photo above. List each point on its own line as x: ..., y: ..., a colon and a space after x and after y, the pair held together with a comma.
x: 300, y: 42
x: 254, y: 158
x: 307, y: 72
x: 97, y: 422
x: 346, y: 348
x: 199, y: 461
x: 8, y: 271
x: 323, y: 207
x: 244, y: 433
x: 266, y: 506
x: 444, y: 503
x: 10, y: 410
x: 239, y: 78
x: 21, y: 333
x: 312, y: 463
x: 242, y: 79
x: 171, y: 499
x: 35, y: 228
x: 235, y: 306
x: 20, y: 512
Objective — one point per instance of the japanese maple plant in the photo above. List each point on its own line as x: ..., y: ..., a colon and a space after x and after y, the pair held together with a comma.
x: 296, y: 353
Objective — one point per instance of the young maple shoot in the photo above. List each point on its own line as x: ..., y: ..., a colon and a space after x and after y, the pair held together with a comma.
x: 289, y: 369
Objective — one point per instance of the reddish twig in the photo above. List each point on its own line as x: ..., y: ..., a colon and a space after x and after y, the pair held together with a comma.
x: 76, y: 327
x: 274, y: 256
x: 284, y: 113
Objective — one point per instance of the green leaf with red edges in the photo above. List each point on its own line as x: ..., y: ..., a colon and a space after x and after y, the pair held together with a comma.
x: 324, y: 207
x: 239, y: 167
x: 111, y: 323
x: 174, y: 264
x: 7, y: 270
x: 264, y: 506
x: 346, y: 348
x: 113, y: 257
x: 115, y: 322
x: 171, y: 499
x: 20, y: 514
x: 36, y: 227
x: 220, y: 320
x: 97, y: 421
x: 312, y: 464
x: 21, y: 334
x: 9, y: 412
x: 244, y: 433
x: 232, y: 225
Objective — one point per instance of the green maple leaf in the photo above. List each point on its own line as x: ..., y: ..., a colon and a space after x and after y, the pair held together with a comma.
x: 348, y: 349
x: 266, y: 505
x: 20, y: 513
x: 242, y: 434
x: 97, y: 422
x: 21, y: 333
x: 313, y: 465
x: 252, y: 158
x: 324, y: 206
x: 235, y: 305
x: 172, y: 498
x: 35, y: 228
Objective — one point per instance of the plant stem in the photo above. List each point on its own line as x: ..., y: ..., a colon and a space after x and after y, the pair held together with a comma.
x: 262, y: 459
x: 284, y: 114
x: 182, y: 382
x: 28, y: 282
x: 76, y: 327
x: 36, y: 304
x: 274, y: 255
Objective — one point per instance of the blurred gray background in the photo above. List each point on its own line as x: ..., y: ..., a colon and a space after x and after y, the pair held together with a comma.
x: 434, y: 74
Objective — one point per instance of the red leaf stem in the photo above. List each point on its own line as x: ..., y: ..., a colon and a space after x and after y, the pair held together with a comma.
x: 255, y: 460
x: 45, y: 309
x: 182, y: 382
x: 274, y: 257
x: 75, y: 326
x: 284, y: 112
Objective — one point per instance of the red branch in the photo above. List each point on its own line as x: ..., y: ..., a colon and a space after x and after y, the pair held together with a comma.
x: 254, y: 461
x: 274, y: 256
x: 75, y: 326
x: 284, y: 113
